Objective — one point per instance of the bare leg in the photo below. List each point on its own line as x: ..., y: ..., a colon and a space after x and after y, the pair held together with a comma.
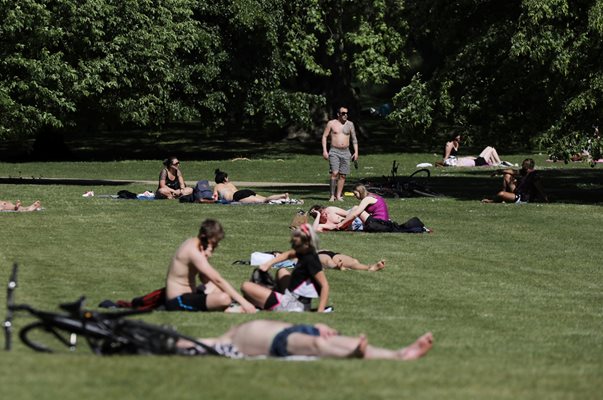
x: 327, y: 261
x: 490, y: 155
x: 300, y: 344
x: 282, y: 196
x: 256, y: 294
x: 416, y: 350
x: 509, y: 181
x: 346, y: 262
x: 501, y: 197
x: 333, y: 185
x: 347, y: 346
x: 33, y: 207
x: 340, y: 186
x: 257, y: 199
x: 164, y: 193
x: 218, y: 301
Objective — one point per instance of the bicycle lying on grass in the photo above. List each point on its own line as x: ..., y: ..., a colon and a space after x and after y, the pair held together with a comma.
x: 106, y: 333
x: 416, y: 184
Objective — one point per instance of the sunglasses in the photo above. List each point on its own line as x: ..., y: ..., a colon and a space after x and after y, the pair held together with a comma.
x: 176, y: 163
x: 343, y: 113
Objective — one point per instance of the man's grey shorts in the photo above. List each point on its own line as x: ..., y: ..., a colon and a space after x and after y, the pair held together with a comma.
x: 339, y: 160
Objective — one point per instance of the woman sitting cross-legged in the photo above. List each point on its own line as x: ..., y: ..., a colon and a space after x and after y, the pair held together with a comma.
x: 171, y: 182
x: 294, y: 290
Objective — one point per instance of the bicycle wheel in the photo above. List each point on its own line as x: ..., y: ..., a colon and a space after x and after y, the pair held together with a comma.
x: 425, y: 192
x: 42, y: 338
x: 419, y: 186
x: 382, y: 191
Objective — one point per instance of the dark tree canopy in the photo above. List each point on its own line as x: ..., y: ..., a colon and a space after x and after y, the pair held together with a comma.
x: 503, y: 72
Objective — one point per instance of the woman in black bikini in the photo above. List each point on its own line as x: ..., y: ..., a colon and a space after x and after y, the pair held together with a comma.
x: 488, y: 156
x: 227, y: 191
x: 171, y: 182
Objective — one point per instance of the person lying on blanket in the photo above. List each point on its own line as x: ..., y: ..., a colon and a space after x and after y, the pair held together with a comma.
x: 190, y: 260
x: 225, y: 190
x: 282, y: 339
x: 329, y: 260
x: 16, y: 206
x: 327, y: 218
x: 374, y: 213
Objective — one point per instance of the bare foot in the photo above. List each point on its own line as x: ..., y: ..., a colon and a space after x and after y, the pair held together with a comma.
x: 378, y: 266
x: 332, y: 199
x: 360, y: 350
x: 418, y: 349
x: 487, y: 201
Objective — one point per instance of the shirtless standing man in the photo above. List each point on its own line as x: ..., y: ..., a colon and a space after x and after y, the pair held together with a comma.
x: 340, y: 130
x: 190, y: 261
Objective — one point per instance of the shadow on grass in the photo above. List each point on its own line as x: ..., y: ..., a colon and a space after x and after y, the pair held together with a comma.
x: 578, y: 186
x: 190, y: 142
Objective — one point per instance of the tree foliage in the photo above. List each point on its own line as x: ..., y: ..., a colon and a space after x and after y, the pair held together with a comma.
x: 506, y: 73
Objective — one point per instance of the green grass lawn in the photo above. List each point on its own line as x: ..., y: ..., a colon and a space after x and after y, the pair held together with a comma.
x: 512, y: 293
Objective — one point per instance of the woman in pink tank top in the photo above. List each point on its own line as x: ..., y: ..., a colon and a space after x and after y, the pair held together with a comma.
x: 371, y: 206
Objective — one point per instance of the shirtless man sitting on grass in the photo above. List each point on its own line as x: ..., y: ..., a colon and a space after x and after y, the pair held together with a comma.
x: 190, y: 261
x: 281, y: 339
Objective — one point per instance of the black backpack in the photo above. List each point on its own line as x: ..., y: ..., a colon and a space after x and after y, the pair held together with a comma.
x: 126, y: 194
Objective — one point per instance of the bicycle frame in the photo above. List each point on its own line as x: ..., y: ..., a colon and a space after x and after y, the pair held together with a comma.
x: 397, y: 186
x: 96, y: 327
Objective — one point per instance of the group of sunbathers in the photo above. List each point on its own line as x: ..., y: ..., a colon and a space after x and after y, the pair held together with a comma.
x: 293, y: 292
x: 172, y: 186
x: 519, y: 186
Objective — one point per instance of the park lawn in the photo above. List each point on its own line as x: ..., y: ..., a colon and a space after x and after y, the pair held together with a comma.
x: 511, y: 292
